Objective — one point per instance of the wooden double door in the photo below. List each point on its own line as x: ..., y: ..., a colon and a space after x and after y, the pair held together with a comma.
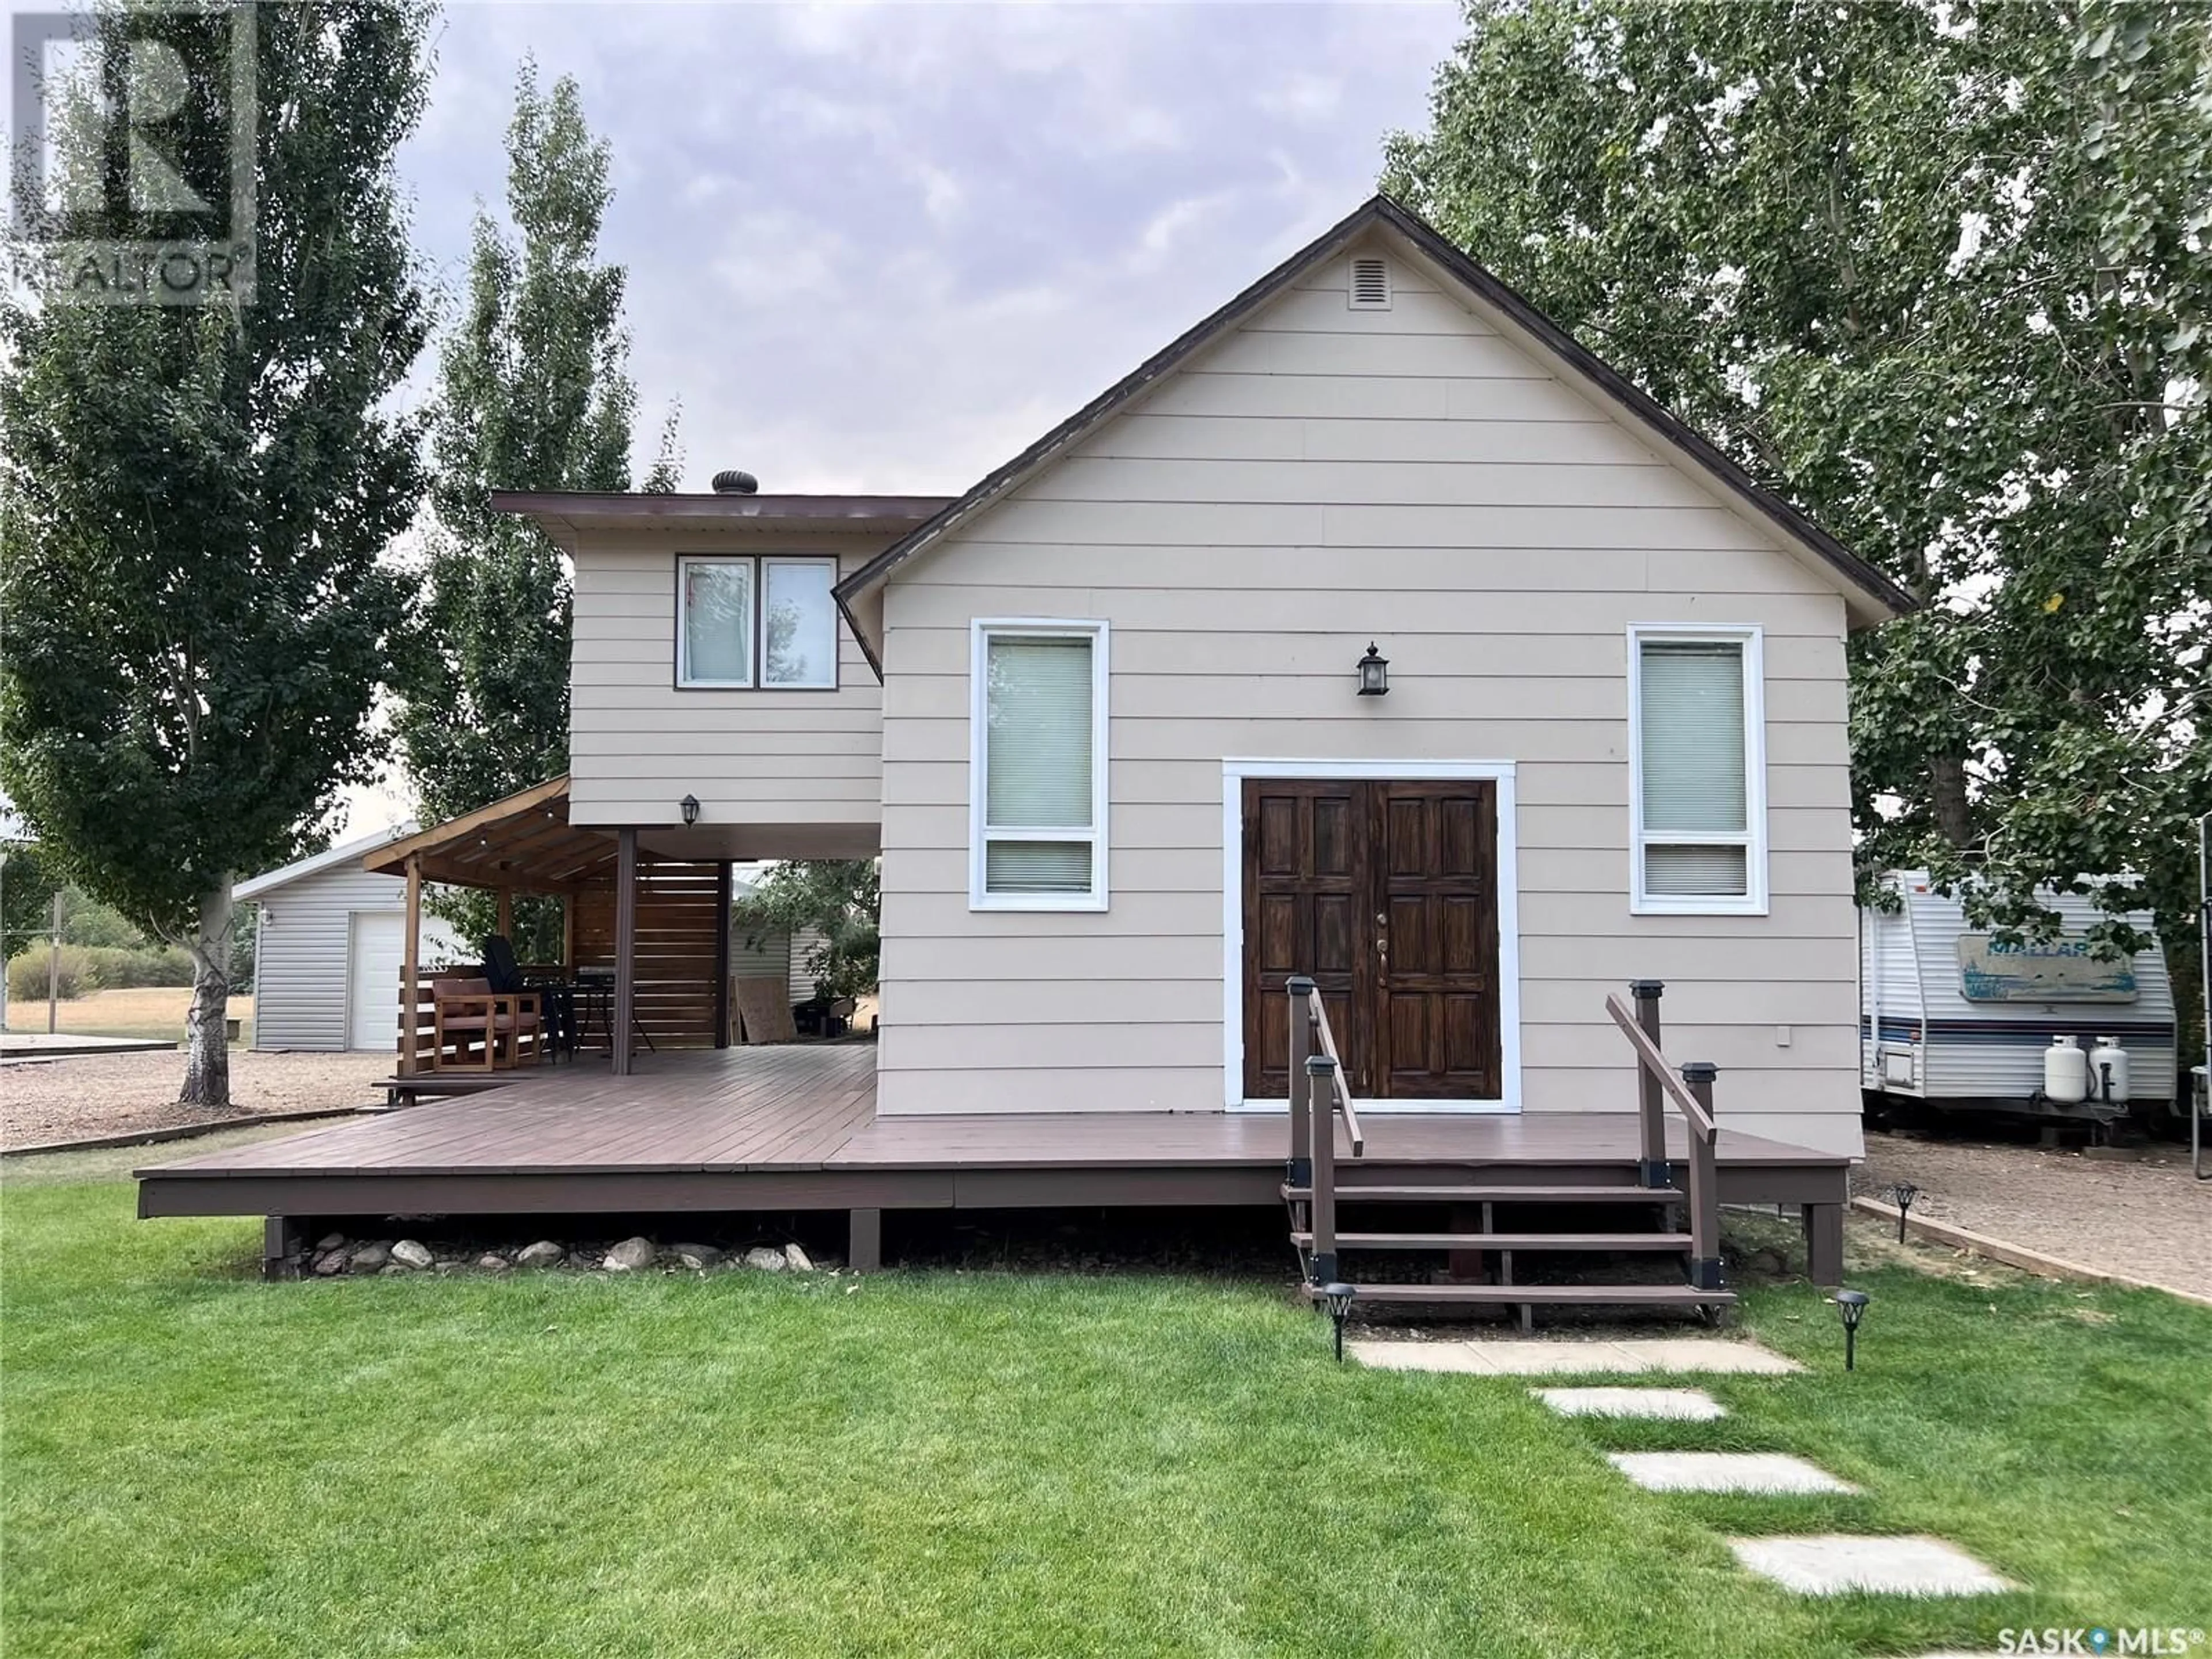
x: 1385, y: 894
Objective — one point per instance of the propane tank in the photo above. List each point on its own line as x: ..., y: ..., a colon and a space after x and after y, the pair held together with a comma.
x: 2065, y: 1072
x: 2108, y: 1072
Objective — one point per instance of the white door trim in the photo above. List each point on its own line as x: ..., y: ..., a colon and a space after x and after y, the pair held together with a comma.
x: 1234, y: 771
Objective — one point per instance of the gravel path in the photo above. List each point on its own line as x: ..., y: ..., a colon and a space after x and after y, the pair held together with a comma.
x: 116, y: 1094
x: 2149, y: 1219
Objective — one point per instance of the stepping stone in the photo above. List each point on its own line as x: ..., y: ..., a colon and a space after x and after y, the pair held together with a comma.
x: 1516, y: 1356
x: 1690, y: 1405
x: 1674, y: 1471
x: 1832, y: 1563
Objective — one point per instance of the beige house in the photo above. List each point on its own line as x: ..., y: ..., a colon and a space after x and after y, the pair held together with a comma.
x: 1342, y: 712
x: 1107, y: 721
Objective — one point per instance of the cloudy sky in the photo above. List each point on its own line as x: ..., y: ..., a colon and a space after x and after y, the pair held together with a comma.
x: 884, y: 247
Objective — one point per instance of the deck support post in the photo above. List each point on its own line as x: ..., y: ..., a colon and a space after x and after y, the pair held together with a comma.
x: 864, y: 1251
x: 722, y: 895
x: 1823, y: 1242
x: 625, y: 998
x: 1321, y: 1102
x: 1299, y: 990
x: 410, y: 970
x: 1652, y: 1167
x: 505, y: 923
x: 1704, y: 1185
x: 281, y: 1238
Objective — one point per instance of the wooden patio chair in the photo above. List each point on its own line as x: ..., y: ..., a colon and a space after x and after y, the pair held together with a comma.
x: 467, y: 1012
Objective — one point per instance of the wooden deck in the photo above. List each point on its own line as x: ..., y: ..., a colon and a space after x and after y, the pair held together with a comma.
x: 794, y: 1127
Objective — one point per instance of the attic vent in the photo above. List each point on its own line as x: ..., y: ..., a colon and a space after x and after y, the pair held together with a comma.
x: 1370, y: 284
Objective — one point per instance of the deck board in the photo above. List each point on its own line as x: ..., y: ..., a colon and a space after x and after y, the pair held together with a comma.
x: 807, y: 1111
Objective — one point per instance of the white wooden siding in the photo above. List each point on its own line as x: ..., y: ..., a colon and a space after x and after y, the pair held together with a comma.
x: 1320, y: 478
x: 638, y: 746
x: 303, y: 954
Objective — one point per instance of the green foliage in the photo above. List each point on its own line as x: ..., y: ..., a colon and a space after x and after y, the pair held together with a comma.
x: 85, y: 969
x: 1942, y: 277
x: 840, y: 898
x: 28, y: 881
x: 196, y: 503
x: 534, y: 394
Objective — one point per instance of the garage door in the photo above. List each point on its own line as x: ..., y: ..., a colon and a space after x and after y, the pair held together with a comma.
x: 373, y: 983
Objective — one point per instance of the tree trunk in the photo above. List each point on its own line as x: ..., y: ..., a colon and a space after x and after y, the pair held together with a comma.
x: 1947, y: 794
x: 207, y: 1039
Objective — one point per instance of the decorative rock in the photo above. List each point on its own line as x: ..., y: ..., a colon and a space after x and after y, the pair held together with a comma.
x: 544, y: 1254
x: 408, y: 1253
x: 392, y: 1270
x: 492, y: 1261
x: 329, y: 1262
x: 630, y: 1254
x: 797, y: 1259
x: 370, y: 1257
x: 766, y: 1259
x: 697, y: 1257
x: 331, y: 1242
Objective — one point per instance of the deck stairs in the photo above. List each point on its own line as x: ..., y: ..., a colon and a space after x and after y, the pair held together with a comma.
x: 1640, y: 1235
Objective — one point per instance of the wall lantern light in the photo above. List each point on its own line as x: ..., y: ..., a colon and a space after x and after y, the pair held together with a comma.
x: 1852, y: 1306
x: 1373, y: 673
x: 1337, y: 1298
x: 691, y: 809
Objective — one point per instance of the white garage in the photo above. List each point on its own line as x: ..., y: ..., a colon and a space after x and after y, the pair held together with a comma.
x: 328, y: 947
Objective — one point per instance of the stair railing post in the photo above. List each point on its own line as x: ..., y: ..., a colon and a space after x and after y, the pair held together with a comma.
x: 1300, y: 1011
x: 1704, y: 1184
x: 1653, y: 1170
x: 1321, y: 1102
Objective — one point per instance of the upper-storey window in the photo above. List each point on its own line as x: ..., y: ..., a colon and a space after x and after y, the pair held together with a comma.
x: 1697, y: 790
x: 1037, y: 767
x: 745, y: 622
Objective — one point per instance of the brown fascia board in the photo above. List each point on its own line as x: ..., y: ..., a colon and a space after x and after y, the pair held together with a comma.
x: 565, y: 516
x: 1857, y: 573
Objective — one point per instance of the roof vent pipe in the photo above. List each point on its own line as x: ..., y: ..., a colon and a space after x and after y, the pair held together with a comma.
x: 735, y: 483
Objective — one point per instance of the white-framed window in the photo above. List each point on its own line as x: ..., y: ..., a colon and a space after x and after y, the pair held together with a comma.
x: 745, y: 622
x: 1038, y: 766
x: 1697, y: 790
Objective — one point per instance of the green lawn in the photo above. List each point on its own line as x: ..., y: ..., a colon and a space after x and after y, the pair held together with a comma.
x: 196, y: 1463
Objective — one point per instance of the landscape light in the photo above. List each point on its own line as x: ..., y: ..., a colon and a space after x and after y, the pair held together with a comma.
x: 1902, y: 1196
x: 1852, y: 1306
x: 1336, y: 1296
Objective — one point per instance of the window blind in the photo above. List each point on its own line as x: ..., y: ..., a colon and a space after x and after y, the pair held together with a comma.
x: 1692, y: 727
x: 718, y: 621
x: 1038, y: 765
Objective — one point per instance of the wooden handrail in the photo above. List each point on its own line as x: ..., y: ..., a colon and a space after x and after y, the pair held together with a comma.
x: 1654, y: 1064
x: 1319, y: 1016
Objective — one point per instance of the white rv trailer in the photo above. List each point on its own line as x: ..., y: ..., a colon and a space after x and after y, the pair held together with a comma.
x: 1950, y: 1016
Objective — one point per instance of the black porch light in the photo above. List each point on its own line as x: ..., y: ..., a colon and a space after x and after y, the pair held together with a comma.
x: 1852, y: 1305
x: 1336, y: 1296
x: 691, y: 809
x: 1902, y: 1196
x: 1373, y: 673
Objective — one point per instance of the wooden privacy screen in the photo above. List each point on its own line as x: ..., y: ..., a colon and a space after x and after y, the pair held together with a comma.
x: 679, y: 920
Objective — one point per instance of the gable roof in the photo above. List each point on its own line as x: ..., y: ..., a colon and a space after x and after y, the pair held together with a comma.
x: 1878, y: 596
x: 269, y: 880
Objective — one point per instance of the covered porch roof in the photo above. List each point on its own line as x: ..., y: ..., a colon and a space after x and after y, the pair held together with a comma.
x: 524, y: 843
